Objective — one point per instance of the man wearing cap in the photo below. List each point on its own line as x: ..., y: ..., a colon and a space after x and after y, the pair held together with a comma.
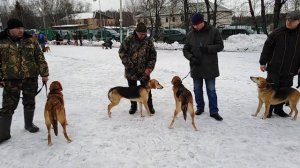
x: 280, y: 56
x: 21, y: 62
x: 138, y: 56
x: 202, y: 44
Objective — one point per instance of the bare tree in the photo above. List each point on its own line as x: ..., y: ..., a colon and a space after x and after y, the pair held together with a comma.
x: 186, y: 15
x: 263, y: 15
x: 207, y: 10
x: 277, y: 8
x: 253, y: 16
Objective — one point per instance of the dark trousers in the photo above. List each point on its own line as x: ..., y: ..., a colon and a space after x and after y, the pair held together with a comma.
x: 278, y: 81
x: 11, y: 95
x: 132, y: 83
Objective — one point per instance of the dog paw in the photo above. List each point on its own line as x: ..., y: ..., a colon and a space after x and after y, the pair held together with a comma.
x: 69, y: 141
x: 50, y: 144
x: 170, y: 127
x: 254, y: 115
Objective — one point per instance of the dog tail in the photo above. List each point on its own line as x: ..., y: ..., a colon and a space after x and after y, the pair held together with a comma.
x: 54, y: 120
x: 184, y: 105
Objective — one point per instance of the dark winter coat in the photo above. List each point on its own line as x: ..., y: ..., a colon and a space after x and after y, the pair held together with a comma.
x: 281, y: 52
x: 210, y: 37
x: 137, y: 55
x: 22, y: 59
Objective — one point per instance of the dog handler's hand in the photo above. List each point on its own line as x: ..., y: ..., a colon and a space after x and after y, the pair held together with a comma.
x: 148, y: 71
x: 263, y: 68
x: 45, y: 79
x: 2, y: 84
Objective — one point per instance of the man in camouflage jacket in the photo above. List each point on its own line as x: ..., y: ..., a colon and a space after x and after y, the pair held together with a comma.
x: 21, y: 62
x: 138, y: 55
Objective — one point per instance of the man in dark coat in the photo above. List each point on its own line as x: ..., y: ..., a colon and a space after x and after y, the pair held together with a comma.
x: 138, y: 56
x: 280, y: 56
x: 21, y: 62
x: 201, y: 48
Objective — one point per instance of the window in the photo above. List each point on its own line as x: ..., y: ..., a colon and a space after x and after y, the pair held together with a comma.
x: 173, y: 19
x: 182, y: 18
x: 167, y: 20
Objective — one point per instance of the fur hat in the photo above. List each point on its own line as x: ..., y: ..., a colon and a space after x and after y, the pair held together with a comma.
x: 14, y: 23
x: 197, y: 18
x: 295, y: 15
x: 141, y: 27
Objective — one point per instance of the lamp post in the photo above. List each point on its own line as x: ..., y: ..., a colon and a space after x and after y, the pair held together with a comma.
x: 121, y: 20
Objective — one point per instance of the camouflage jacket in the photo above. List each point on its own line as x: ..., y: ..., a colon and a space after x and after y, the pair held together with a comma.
x: 136, y: 56
x: 20, y: 60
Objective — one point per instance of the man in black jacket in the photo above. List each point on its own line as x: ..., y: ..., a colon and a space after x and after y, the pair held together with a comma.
x: 280, y: 56
x: 201, y: 48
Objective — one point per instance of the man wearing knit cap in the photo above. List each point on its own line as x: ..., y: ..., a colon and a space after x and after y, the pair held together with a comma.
x: 202, y: 44
x: 280, y: 57
x: 21, y: 62
x: 138, y: 56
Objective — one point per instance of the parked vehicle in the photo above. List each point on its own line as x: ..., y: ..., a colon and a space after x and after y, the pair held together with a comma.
x: 228, y: 31
x: 104, y: 34
x: 171, y: 35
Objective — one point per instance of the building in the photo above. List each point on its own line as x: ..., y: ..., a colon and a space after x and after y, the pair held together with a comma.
x: 90, y: 20
x: 174, y: 17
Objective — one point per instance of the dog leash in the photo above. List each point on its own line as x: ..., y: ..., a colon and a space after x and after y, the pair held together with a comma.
x: 44, y: 84
x: 188, y: 73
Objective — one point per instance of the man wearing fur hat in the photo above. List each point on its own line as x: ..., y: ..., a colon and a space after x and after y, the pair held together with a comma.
x: 21, y: 62
x: 280, y: 56
x: 138, y: 56
x: 202, y: 44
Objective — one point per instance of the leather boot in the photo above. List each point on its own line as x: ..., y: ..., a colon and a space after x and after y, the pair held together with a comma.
x: 133, y: 107
x: 278, y: 109
x: 28, y: 118
x: 5, y: 123
x: 150, y: 104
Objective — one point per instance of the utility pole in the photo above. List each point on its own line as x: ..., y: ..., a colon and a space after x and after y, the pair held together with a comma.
x: 100, y: 19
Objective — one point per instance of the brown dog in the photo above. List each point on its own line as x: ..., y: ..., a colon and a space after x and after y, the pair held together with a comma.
x: 183, y: 100
x: 139, y: 94
x: 270, y: 96
x: 55, y: 111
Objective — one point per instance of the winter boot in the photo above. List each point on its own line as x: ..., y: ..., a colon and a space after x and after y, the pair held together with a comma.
x: 133, y: 108
x: 199, y: 112
x: 28, y: 118
x: 216, y: 116
x: 278, y: 109
x: 5, y: 123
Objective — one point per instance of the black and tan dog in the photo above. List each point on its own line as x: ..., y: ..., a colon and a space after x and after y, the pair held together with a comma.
x: 55, y: 111
x: 139, y: 94
x: 183, y: 100
x: 269, y: 96
x: 47, y: 49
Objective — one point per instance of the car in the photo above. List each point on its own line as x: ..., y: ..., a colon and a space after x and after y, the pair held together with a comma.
x: 171, y: 35
x: 226, y: 32
x: 105, y: 33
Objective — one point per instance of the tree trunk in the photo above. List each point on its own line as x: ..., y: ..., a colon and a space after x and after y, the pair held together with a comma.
x: 277, y: 8
x: 253, y: 16
x: 207, y: 10
x: 215, y: 13
x: 186, y: 15
x: 263, y: 15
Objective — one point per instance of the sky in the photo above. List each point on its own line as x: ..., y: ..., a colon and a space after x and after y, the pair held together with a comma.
x: 130, y: 141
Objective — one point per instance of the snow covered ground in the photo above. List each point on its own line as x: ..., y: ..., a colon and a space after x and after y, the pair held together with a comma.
x: 130, y: 141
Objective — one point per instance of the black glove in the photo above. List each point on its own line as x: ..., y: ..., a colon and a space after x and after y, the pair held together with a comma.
x: 195, y: 61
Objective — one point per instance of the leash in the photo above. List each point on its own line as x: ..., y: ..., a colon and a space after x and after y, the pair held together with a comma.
x: 44, y: 84
x: 188, y: 73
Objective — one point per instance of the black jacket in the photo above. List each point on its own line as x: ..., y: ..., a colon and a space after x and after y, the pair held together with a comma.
x: 210, y: 37
x: 281, y: 52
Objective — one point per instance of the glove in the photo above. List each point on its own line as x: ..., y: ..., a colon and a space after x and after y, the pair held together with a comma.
x: 194, y: 61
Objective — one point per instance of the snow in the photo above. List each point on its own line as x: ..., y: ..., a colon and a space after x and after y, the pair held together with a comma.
x: 130, y: 141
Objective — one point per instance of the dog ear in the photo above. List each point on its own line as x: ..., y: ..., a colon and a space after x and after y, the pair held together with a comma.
x: 60, y: 87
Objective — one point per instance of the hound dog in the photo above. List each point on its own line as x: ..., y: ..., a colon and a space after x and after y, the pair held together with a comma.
x: 183, y: 100
x: 55, y: 111
x: 139, y: 94
x: 271, y: 96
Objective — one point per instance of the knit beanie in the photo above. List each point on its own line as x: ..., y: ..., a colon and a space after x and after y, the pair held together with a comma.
x: 14, y: 23
x: 197, y: 18
x: 141, y: 27
x: 295, y: 15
